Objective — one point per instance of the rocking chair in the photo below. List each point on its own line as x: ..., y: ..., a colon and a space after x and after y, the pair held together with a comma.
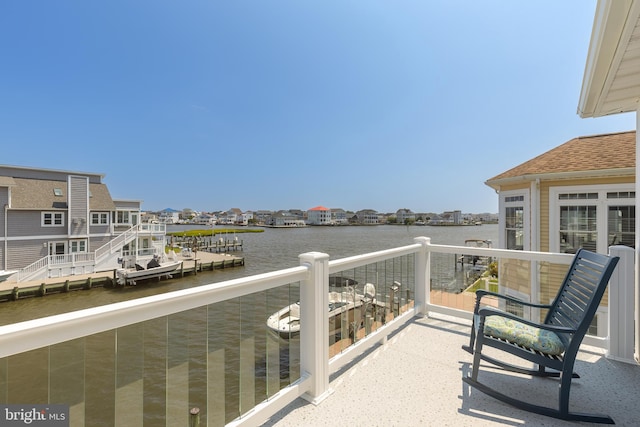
x: 552, y: 344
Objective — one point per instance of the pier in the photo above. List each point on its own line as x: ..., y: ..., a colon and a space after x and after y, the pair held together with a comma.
x: 192, y: 264
x: 207, y: 243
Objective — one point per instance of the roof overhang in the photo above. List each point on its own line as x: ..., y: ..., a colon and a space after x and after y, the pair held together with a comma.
x: 611, y: 83
x: 498, y: 183
x: 7, y: 181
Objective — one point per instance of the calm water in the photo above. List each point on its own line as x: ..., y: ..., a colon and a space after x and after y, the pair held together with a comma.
x: 187, y: 345
x: 270, y: 250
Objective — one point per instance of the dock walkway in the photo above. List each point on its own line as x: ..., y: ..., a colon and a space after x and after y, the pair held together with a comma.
x: 198, y: 261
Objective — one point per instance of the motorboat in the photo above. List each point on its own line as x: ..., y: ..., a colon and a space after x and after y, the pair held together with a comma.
x: 5, y: 274
x: 286, y: 321
x: 154, y: 268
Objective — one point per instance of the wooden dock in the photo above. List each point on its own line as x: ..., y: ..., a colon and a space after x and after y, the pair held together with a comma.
x: 208, y: 243
x: 197, y: 262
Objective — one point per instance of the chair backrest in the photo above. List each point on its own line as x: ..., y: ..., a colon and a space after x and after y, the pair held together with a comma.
x: 578, y: 298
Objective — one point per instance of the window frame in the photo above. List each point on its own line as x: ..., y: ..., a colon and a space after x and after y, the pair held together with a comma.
x: 54, y: 222
x: 100, y: 218
x: 602, y: 204
x: 526, y: 219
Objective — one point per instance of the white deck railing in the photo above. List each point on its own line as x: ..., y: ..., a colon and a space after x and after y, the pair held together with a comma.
x: 413, y: 262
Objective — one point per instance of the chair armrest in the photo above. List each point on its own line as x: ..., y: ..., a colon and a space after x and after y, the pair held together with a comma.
x: 481, y: 293
x: 490, y: 311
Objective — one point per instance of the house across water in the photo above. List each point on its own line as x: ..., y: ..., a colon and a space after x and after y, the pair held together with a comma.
x: 58, y: 223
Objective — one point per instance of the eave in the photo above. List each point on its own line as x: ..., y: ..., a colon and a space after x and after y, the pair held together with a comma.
x: 556, y: 176
x: 610, y: 84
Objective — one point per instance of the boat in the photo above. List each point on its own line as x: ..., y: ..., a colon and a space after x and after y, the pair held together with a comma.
x: 5, y: 274
x: 154, y: 268
x: 286, y: 321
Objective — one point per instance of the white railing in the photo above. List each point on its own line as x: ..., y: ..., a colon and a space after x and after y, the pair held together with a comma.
x: 116, y: 243
x: 313, y: 276
x: 32, y: 268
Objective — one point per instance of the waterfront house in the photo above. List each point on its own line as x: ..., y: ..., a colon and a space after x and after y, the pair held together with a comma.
x: 319, y: 216
x: 59, y: 219
x: 169, y: 216
x: 579, y: 194
x: 367, y: 217
x: 285, y: 219
x: 405, y: 215
x: 339, y: 216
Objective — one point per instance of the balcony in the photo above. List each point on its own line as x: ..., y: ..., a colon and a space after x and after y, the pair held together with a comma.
x: 154, y: 360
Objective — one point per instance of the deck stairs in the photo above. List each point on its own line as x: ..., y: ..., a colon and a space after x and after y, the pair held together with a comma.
x: 105, y: 257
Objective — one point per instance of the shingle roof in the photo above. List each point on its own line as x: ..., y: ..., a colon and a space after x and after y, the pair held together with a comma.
x: 39, y: 194
x: 582, y: 154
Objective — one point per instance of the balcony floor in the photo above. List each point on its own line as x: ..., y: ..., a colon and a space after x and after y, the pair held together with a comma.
x: 415, y: 379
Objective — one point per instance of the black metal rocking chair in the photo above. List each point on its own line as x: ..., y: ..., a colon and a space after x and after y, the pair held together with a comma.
x: 552, y: 344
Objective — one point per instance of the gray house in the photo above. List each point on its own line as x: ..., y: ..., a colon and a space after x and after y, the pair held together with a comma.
x: 58, y: 223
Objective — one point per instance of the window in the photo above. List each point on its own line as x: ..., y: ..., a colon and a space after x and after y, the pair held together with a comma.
x: 99, y: 218
x: 591, y: 217
x: 621, y: 226
x: 77, y: 246
x: 514, y: 227
x: 578, y: 228
x: 52, y: 219
x: 122, y: 217
x: 57, y: 192
x: 57, y: 248
x: 514, y: 213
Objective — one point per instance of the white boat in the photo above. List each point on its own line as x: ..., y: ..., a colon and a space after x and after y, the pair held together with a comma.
x: 5, y: 274
x: 129, y: 276
x: 286, y: 321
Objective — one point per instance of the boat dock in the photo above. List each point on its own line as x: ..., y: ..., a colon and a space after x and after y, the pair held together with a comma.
x: 192, y: 264
x: 207, y: 243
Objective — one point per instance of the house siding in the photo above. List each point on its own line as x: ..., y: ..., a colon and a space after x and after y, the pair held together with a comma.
x: 19, y: 251
x: 97, y: 242
x: 127, y: 204
x: 27, y: 224
x: 4, y: 199
x: 78, y: 206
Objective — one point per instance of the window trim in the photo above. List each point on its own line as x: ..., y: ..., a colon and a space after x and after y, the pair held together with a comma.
x: 78, y: 242
x: 602, y: 204
x: 54, y: 223
x: 526, y: 220
x: 100, y: 216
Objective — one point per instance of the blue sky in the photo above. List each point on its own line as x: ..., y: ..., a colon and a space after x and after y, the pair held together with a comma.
x: 212, y: 105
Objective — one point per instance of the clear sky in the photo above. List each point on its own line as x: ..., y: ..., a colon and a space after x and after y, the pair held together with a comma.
x: 212, y: 105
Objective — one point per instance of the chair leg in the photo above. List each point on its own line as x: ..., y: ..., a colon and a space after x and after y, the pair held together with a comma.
x: 477, y: 356
x: 472, y: 338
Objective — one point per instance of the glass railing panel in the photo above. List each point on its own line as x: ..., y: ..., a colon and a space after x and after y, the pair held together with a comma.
x: 364, y: 298
x: 28, y: 377
x: 155, y: 348
x: 251, y: 319
x: 4, y: 379
x: 66, y: 376
x: 99, y: 377
x: 130, y: 365
x: 216, y: 356
x: 450, y: 277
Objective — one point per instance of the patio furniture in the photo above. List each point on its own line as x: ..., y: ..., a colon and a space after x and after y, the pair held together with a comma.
x: 551, y: 344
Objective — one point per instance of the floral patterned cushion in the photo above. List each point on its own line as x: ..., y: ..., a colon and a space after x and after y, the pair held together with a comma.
x: 527, y: 336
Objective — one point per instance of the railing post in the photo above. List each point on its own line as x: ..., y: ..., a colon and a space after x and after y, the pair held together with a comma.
x: 422, y: 274
x: 314, y: 326
x: 622, y: 306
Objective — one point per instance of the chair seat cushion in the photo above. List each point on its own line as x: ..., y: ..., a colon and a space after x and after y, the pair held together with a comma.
x: 527, y: 336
